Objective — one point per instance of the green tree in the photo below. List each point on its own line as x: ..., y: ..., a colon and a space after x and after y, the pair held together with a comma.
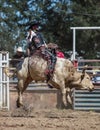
x: 16, y: 15
x: 86, y: 13
x: 56, y: 18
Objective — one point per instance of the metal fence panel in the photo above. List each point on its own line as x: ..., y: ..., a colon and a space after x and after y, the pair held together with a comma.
x: 85, y: 100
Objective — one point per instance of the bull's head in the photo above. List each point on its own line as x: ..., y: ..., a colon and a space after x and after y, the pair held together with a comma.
x: 82, y: 81
x: 86, y: 82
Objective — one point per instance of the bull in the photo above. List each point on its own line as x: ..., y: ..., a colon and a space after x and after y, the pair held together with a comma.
x: 65, y: 76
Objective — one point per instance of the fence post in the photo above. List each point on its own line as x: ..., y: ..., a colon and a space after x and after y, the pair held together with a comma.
x: 4, y: 81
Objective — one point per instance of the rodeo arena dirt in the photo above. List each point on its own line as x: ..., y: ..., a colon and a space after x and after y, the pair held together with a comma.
x: 42, y: 105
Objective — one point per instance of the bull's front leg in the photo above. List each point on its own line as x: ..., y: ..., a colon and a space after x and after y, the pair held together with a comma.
x: 69, y: 100
x: 20, y: 88
x: 63, y: 91
x: 68, y: 94
x: 66, y: 97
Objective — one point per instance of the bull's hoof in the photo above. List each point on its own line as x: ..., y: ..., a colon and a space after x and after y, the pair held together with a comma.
x: 18, y: 104
x: 50, y: 86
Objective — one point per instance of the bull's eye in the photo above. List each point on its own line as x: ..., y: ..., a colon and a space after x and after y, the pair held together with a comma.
x: 82, y: 76
x: 88, y: 78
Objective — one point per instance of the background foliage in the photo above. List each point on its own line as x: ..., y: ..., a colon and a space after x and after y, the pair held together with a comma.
x: 56, y: 18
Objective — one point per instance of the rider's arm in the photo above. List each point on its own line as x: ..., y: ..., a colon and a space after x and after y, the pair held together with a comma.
x: 30, y: 35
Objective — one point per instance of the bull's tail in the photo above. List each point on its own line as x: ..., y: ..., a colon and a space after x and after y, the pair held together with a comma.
x: 10, y: 72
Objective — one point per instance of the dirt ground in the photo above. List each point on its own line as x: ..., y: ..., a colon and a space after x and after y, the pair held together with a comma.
x: 67, y: 119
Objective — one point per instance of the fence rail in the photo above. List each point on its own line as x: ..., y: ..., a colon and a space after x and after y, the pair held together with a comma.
x: 92, y: 64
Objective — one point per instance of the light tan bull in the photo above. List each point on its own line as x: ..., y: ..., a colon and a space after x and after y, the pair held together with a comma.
x: 65, y: 77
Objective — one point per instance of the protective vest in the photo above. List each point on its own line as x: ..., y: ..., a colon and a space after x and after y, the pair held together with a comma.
x: 37, y: 40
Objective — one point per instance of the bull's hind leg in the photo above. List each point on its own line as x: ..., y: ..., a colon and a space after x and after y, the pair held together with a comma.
x: 20, y: 88
x: 22, y: 85
x: 27, y: 81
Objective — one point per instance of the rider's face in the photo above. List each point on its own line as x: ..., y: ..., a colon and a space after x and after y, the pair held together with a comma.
x: 35, y: 27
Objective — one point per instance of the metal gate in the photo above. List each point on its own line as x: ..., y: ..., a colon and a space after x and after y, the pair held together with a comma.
x: 4, y: 81
x: 85, y: 100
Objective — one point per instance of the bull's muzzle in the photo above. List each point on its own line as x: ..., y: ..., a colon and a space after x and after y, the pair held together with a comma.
x: 91, y: 88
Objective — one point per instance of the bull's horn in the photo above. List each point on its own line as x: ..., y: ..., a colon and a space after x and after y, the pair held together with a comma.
x: 83, y: 71
x: 85, y: 67
x: 8, y: 73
